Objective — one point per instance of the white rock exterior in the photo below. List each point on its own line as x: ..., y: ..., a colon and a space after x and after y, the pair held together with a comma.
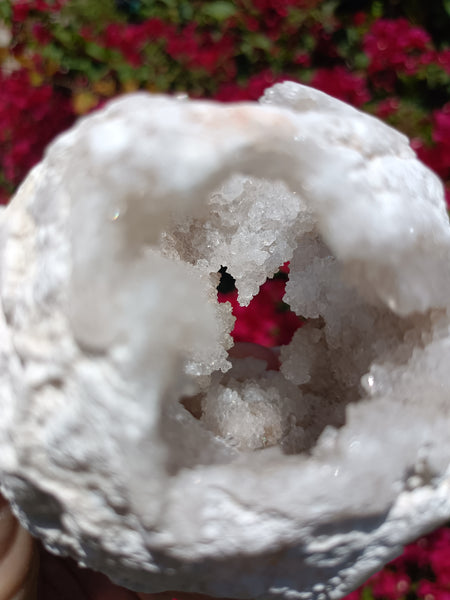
x: 290, y: 484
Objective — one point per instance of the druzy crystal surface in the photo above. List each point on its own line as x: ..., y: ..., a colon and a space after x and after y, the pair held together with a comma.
x: 128, y: 437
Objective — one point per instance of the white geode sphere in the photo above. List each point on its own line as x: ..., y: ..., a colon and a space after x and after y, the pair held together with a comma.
x: 128, y: 439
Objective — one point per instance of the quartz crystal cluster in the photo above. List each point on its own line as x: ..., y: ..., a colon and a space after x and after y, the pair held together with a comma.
x: 128, y: 437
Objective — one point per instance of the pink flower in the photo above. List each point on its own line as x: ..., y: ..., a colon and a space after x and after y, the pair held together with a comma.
x: 359, y: 18
x: 278, y: 6
x: 428, y: 590
x: 342, y: 84
x: 183, y: 45
x: 4, y: 196
x: 20, y: 11
x: 395, y: 46
x: 30, y: 117
x: 387, y: 107
x: 154, y: 28
x: 41, y: 34
x: 439, y: 557
x: 266, y: 320
x: 303, y: 59
x: 389, y: 585
x: 252, y: 23
x: 22, y: 8
x: 255, y: 86
x: 131, y: 39
x: 441, y: 130
x: 355, y: 595
x: 414, y: 556
x: 443, y: 59
x: 437, y: 157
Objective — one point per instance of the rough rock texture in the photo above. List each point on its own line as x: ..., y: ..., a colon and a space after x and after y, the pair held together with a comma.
x: 290, y: 484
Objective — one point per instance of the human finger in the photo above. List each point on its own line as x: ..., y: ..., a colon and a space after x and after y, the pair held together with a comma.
x: 18, y: 558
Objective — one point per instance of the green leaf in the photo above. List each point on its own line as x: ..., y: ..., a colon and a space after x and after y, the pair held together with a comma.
x: 169, y: 10
x: 219, y: 10
x: 446, y: 6
x: 125, y: 72
x: 170, y: 4
x: 361, y: 61
x: 309, y: 42
x: 90, y: 13
x: 97, y: 72
x: 5, y: 11
x: 186, y: 11
x: 352, y: 35
x: 329, y: 8
x: 81, y: 64
x: 377, y: 10
x: 96, y: 51
x: 259, y: 40
x: 65, y: 36
x: 53, y: 52
x: 367, y: 593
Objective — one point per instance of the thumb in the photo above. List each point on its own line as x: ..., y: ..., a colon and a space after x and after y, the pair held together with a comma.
x: 18, y: 558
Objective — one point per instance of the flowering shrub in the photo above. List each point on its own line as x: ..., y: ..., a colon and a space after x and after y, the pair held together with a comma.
x: 423, y: 571
x: 340, y: 83
x: 72, y: 55
x: 23, y: 106
x: 267, y: 321
x: 63, y: 58
x: 394, y: 46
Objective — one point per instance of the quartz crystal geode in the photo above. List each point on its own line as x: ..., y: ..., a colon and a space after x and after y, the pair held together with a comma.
x: 129, y: 439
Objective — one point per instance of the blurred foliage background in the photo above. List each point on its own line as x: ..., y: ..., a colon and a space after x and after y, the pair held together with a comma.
x: 60, y: 59
x: 63, y: 58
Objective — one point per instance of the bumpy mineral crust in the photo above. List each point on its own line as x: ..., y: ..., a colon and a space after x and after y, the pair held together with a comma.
x: 130, y: 441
